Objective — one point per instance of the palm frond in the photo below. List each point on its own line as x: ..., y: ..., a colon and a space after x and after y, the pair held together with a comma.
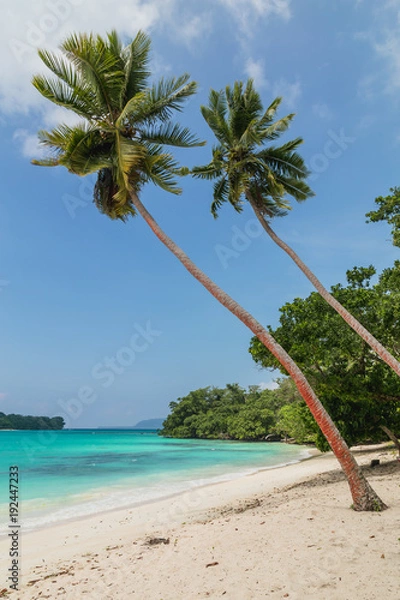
x: 270, y: 113
x: 244, y: 107
x: 158, y: 102
x: 160, y: 168
x: 238, y: 181
x: 251, y: 135
x: 136, y: 59
x: 242, y: 163
x: 97, y: 63
x: 46, y: 162
x: 296, y: 188
x: 64, y: 70
x: 275, y: 130
x: 215, y: 116
x: 269, y: 207
x: 81, y: 148
x: 63, y: 95
x: 57, y: 139
x: 220, y: 195
x: 210, y: 171
x: 218, y: 125
x: 170, y: 134
x: 284, y: 162
x: 126, y: 123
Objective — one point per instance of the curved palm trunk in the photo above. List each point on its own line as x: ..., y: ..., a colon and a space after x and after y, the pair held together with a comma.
x: 364, y: 497
x: 348, y: 317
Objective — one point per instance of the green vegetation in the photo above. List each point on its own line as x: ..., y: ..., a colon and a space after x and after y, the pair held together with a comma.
x: 243, y: 167
x: 31, y: 423
x: 125, y: 125
x: 126, y: 121
x: 388, y: 210
x: 246, y: 169
x: 234, y: 413
x: 361, y: 393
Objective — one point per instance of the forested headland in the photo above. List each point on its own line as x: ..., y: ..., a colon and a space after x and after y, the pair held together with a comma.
x: 361, y: 393
x: 236, y: 413
x: 13, y: 421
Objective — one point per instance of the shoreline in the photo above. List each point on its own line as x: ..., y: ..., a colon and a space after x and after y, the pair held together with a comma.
x: 55, y: 516
x: 61, y: 548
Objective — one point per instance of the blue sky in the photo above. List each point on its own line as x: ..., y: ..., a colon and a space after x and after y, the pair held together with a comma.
x: 99, y: 322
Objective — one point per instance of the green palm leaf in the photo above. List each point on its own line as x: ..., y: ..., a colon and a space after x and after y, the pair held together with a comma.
x: 158, y: 102
x: 221, y: 189
x: 136, y: 61
x: 249, y: 168
x: 98, y: 64
x: 171, y: 134
x: 125, y: 121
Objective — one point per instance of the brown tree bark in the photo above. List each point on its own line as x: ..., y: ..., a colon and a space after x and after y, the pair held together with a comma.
x: 364, y: 497
x: 348, y: 317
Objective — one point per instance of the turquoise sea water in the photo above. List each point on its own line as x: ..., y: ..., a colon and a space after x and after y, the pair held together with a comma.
x: 67, y: 474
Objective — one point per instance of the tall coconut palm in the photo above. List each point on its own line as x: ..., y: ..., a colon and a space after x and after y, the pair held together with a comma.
x: 125, y: 126
x: 244, y: 168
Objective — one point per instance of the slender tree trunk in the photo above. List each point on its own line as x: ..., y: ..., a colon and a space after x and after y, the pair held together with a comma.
x: 350, y: 320
x: 391, y: 435
x: 364, y: 497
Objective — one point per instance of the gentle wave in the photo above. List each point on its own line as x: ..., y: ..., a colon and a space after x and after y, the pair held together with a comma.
x: 41, y: 512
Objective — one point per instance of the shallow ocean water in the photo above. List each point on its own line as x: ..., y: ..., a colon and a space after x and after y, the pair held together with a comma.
x: 72, y: 473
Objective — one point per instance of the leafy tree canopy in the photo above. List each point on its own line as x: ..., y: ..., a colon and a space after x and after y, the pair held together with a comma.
x: 231, y: 412
x: 388, y: 210
x: 360, y: 392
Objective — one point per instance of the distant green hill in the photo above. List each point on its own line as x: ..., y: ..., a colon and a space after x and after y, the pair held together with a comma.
x: 30, y: 422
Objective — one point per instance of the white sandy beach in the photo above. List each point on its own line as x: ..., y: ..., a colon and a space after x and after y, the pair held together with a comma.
x: 281, y: 533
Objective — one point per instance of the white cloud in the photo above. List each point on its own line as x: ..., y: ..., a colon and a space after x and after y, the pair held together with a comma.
x: 57, y: 114
x: 384, y: 38
x: 290, y: 92
x: 28, y: 143
x: 159, y: 67
x: 194, y: 28
x: 255, y: 70
x: 322, y: 111
x: 28, y: 25
x: 248, y: 12
x: 389, y: 50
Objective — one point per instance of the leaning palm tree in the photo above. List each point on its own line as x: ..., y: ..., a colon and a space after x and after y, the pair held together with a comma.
x: 244, y: 168
x: 122, y: 137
